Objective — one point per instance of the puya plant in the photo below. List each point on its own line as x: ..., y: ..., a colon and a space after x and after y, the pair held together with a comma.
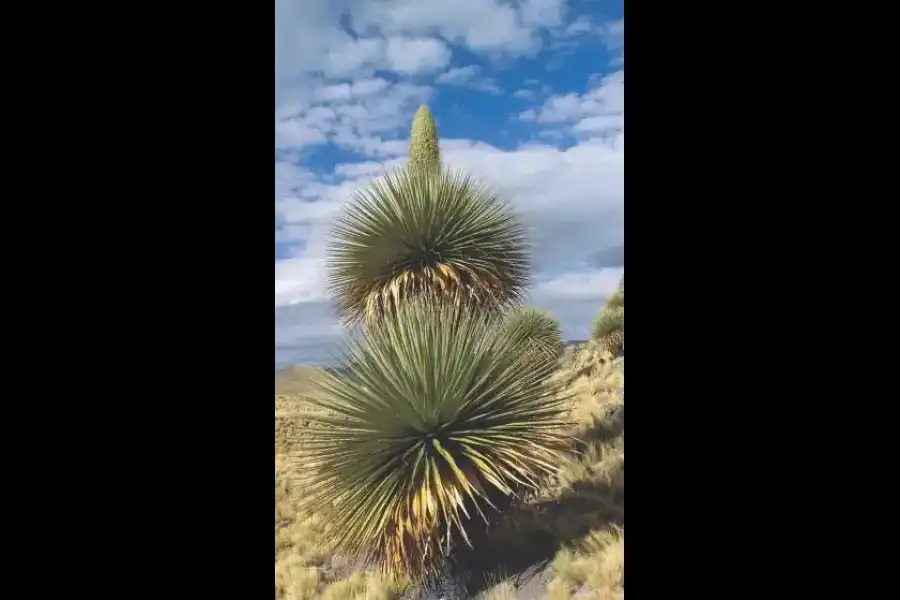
x: 417, y: 233
x: 423, y: 231
x: 609, y: 325
x: 434, y: 418
x: 538, y: 330
x: 424, y: 148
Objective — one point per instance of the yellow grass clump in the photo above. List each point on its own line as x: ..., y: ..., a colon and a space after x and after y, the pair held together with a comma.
x: 306, y: 567
x: 594, y: 567
x: 594, y: 571
x: 502, y: 591
x: 364, y: 586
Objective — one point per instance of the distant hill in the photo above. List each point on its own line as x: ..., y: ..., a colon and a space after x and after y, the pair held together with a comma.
x: 295, y: 380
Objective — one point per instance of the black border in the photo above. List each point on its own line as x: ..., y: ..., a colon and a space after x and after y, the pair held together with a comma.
x: 193, y: 496
x: 704, y: 303
x: 184, y: 503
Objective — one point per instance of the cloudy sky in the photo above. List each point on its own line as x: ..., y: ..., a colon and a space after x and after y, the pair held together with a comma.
x: 528, y: 95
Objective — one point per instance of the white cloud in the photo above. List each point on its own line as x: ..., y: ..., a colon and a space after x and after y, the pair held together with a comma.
x: 584, y: 29
x: 529, y: 115
x: 470, y: 77
x: 600, y: 124
x: 598, y: 112
x: 349, y: 91
x: 310, y: 39
x: 525, y: 95
x: 543, y: 13
x: 299, y: 280
x: 572, y: 199
x: 491, y: 26
x: 356, y: 116
x: 365, y: 170
x: 408, y: 56
x: 613, y: 35
x: 531, y: 94
x: 488, y: 86
x: 352, y: 57
x: 295, y: 133
x: 459, y: 75
x: 589, y: 285
x: 355, y: 91
x: 579, y: 26
x: 414, y: 56
x: 325, y: 84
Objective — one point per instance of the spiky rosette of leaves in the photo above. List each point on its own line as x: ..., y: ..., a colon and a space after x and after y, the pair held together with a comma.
x: 609, y: 330
x: 411, y: 234
x: 609, y: 325
x: 617, y: 300
x: 538, y: 330
x: 616, y: 304
x: 437, y: 416
x: 424, y: 149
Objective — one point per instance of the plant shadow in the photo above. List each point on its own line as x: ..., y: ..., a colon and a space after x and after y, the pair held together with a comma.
x: 522, y: 542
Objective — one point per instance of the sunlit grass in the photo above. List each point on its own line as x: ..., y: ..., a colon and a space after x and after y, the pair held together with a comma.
x: 498, y: 590
x: 295, y: 580
x: 304, y: 568
x: 364, y: 586
x: 598, y: 563
x: 594, y: 566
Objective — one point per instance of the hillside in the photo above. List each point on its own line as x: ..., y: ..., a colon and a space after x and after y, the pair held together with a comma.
x: 566, y: 543
x: 295, y: 380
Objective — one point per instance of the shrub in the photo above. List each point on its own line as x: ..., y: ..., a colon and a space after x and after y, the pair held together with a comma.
x: 538, y: 330
x: 437, y: 416
x: 412, y: 235
x: 609, y: 325
x: 609, y: 331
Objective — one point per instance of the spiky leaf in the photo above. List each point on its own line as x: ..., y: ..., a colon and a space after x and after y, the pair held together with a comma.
x: 539, y: 330
x: 609, y: 330
x: 617, y: 300
x: 437, y: 415
x: 411, y: 234
x: 609, y: 325
x: 424, y: 151
x: 607, y: 322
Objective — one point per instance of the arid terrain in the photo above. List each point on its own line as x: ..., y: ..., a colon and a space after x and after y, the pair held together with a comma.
x: 565, y: 542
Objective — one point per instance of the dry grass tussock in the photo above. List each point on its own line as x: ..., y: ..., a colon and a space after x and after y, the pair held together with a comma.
x: 499, y: 589
x: 595, y: 569
x: 306, y: 567
x: 572, y: 531
x: 592, y: 566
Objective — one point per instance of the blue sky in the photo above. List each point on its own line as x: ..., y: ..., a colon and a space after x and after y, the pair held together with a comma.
x: 528, y: 96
